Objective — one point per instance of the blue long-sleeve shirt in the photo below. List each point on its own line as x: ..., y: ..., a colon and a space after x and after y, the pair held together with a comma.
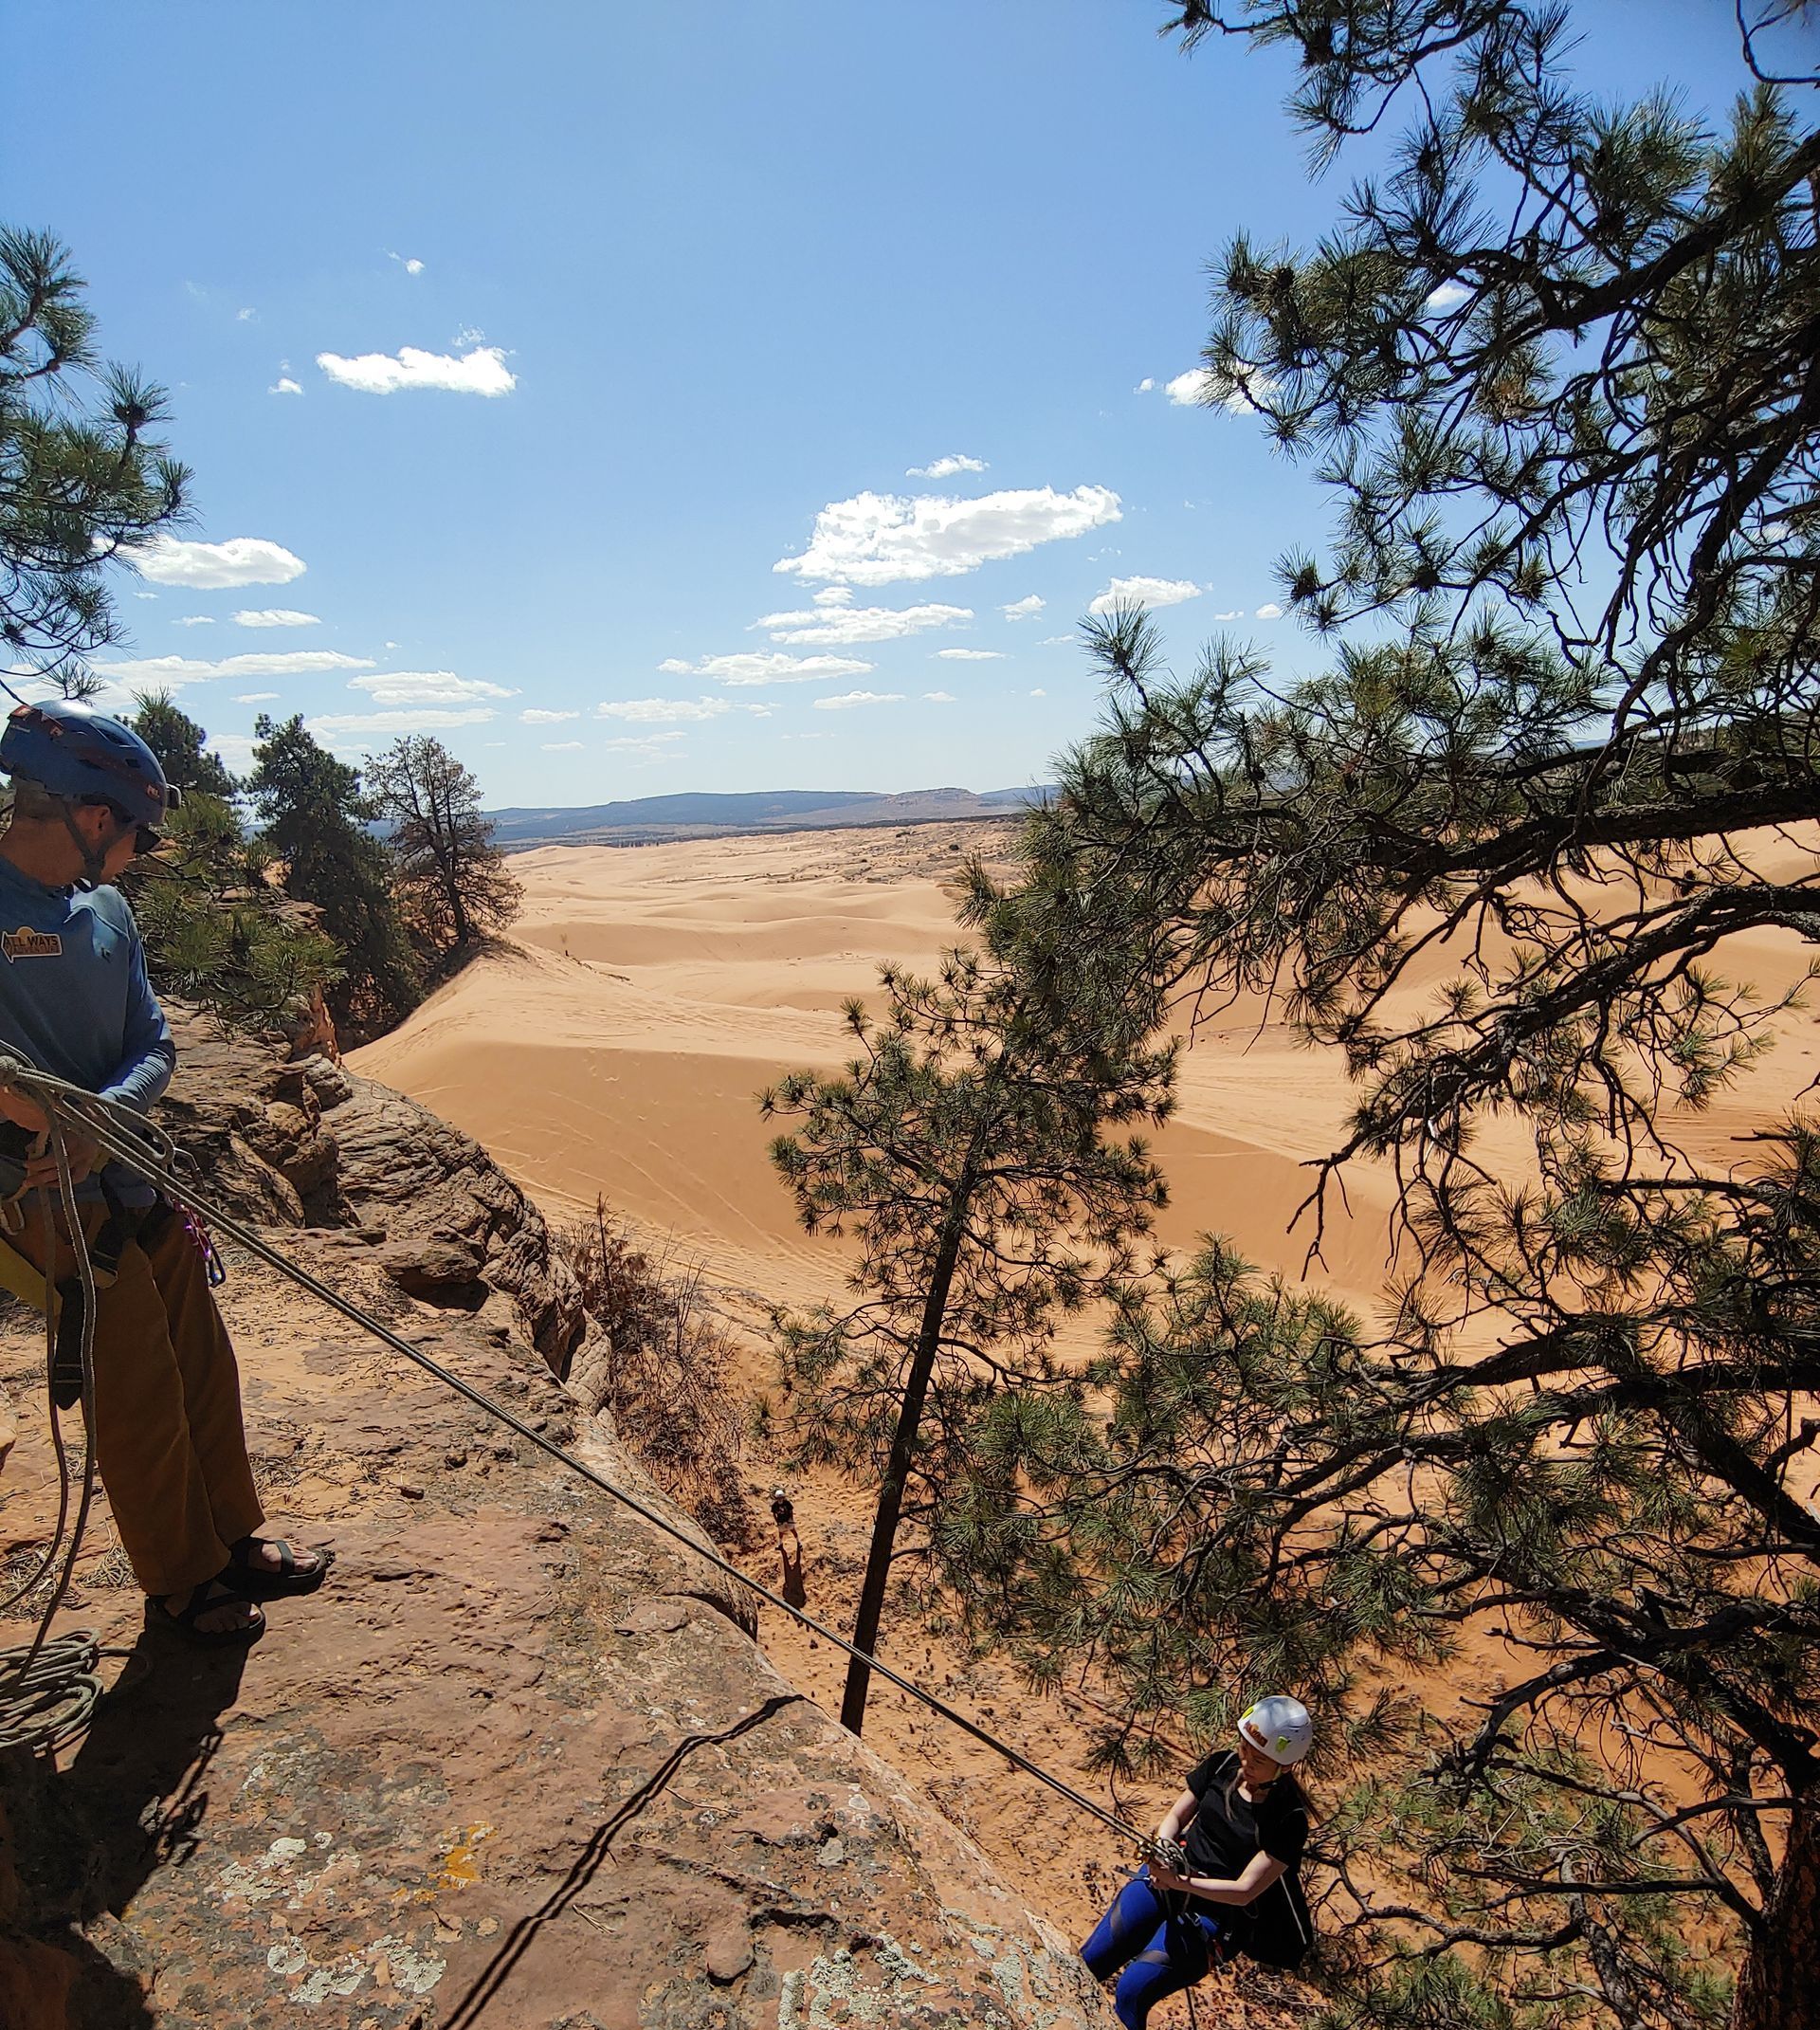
x: 75, y: 1000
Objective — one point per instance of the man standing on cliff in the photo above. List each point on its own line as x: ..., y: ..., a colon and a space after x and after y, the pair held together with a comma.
x: 76, y: 1001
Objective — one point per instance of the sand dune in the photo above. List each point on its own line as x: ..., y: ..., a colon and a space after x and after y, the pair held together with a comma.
x: 618, y: 1045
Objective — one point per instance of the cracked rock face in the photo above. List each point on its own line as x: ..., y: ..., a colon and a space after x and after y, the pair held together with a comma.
x: 309, y: 1142
x: 518, y: 1765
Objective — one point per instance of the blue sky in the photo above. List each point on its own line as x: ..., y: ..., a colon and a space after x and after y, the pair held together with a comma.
x: 516, y: 349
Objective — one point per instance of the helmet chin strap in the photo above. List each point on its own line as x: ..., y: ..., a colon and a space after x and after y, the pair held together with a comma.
x: 94, y: 857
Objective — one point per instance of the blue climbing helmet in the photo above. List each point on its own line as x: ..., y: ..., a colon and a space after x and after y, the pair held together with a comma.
x: 72, y: 752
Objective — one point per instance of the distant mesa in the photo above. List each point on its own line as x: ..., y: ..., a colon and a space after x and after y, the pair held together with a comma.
x: 700, y: 815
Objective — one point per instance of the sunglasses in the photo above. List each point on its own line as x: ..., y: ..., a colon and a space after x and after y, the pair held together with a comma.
x: 146, y: 838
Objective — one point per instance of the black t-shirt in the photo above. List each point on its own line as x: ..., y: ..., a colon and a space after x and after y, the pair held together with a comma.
x: 1226, y: 1830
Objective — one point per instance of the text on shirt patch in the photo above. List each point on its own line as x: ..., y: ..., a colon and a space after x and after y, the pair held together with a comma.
x: 26, y: 943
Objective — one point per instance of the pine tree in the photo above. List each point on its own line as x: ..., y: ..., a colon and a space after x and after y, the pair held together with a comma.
x: 83, y: 478
x: 181, y: 746
x: 452, y: 877
x: 316, y: 817
x: 972, y: 1148
x: 1558, y: 366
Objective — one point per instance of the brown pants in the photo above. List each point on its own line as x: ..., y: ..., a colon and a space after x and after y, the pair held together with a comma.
x: 168, y: 1434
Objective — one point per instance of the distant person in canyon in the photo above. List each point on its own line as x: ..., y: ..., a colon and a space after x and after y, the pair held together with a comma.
x: 1242, y: 1825
x: 789, y: 1549
x: 88, y: 798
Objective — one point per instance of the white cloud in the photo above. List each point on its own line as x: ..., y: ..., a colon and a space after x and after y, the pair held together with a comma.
x: 1449, y: 295
x: 535, y: 715
x: 236, y: 749
x: 195, y: 620
x: 971, y: 656
x: 877, y: 538
x: 410, y: 263
x: 356, y: 727
x: 275, y: 616
x: 1269, y: 612
x: 834, y: 595
x: 1195, y: 390
x: 425, y: 687
x: 841, y: 626
x: 1023, y: 609
x: 255, y: 697
x: 664, y: 711
x: 939, y: 697
x: 209, y: 566
x: 1056, y: 641
x: 1237, y: 614
x: 177, y: 670
x: 245, y: 317
x: 481, y: 371
x: 651, y: 745
x: 284, y: 385
x: 846, y: 701
x: 944, y: 469
x: 1039, y: 693
x: 560, y: 746
x: 737, y: 670
x: 1146, y: 386
x: 1144, y: 592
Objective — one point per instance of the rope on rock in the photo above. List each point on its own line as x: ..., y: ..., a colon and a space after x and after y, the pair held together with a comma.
x: 153, y: 1155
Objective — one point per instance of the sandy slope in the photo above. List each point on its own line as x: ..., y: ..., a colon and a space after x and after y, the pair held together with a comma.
x: 653, y: 991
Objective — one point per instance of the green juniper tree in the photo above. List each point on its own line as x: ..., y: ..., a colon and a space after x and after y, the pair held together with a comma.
x: 1561, y: 365
x: 83, y: 480
x: 975, y: 1147
x: 452, y: 877
x: 316, y: 816
x: 219, y: 928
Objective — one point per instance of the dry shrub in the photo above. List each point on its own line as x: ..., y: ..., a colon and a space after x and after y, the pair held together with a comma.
x: 667, y: 1386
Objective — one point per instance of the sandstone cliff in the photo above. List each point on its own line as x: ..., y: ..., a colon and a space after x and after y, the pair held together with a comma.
x: 518, y: 1764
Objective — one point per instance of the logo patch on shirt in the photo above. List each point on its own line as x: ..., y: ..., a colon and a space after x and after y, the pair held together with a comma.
x: 26, y: 943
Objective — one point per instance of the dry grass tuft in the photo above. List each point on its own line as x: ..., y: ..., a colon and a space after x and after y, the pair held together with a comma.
x: 668, y: 1391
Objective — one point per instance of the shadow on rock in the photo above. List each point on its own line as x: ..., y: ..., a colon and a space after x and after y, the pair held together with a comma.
x: 89, y: 1837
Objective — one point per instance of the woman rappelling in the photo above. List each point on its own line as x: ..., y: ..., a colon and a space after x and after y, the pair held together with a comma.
x: 1233, y: 1841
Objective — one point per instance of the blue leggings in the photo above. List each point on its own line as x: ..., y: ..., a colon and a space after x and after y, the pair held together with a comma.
x: 1161, y: 1953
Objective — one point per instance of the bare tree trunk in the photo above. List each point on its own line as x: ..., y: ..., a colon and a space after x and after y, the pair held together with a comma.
x: 1780, y: 1988
x: 903, y: 1447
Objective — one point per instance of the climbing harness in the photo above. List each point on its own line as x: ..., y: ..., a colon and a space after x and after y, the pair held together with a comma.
x: 150, y: 1154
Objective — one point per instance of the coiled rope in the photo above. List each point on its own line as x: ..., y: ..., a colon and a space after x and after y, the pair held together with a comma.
x: 49, y: 1690
x: 153, y: 1155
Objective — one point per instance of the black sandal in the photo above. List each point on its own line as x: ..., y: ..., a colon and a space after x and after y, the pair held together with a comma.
x: 265, y: 1582
x: 209, y: 1598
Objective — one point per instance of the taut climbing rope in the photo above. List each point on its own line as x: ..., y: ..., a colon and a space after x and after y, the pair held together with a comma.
x: 153, y: 1155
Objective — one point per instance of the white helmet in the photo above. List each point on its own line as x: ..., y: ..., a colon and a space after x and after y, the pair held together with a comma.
x: 1280, y: 1727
